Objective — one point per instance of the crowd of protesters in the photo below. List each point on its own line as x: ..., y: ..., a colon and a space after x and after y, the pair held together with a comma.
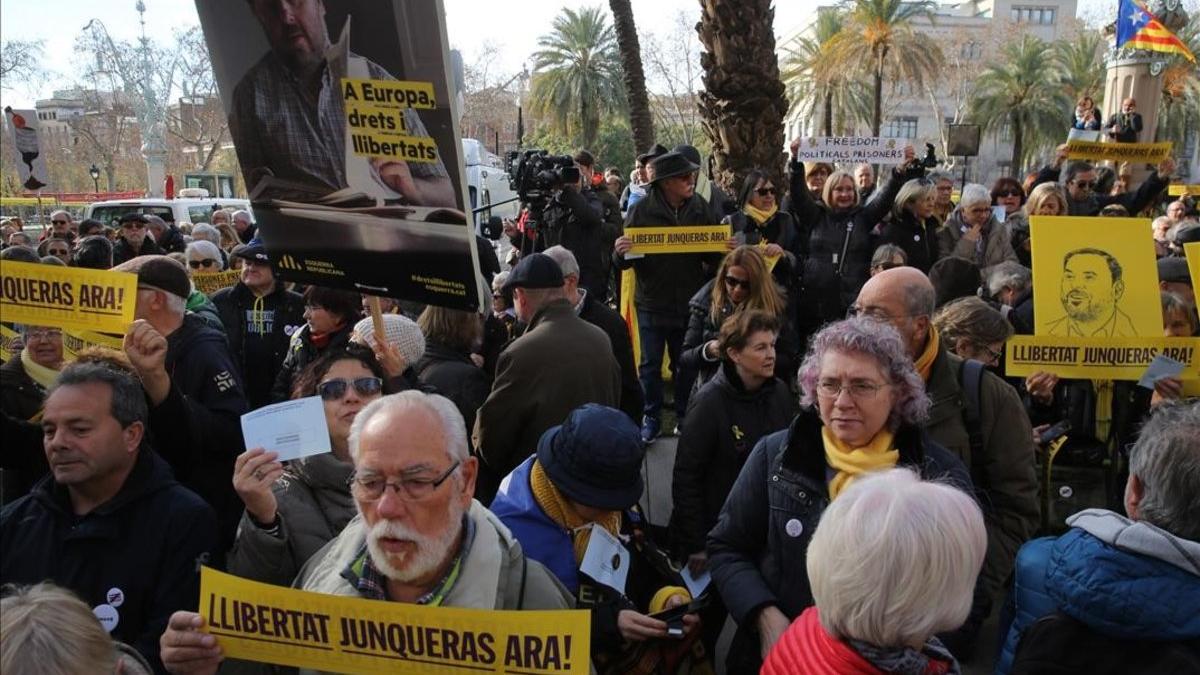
x: 854, y: 325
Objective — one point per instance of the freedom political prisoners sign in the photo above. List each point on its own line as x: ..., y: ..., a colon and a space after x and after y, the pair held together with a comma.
x: 851, y: 149
x: 678, y: 239
x: 341, y: 117
x: 270, y: 624
x: 67, y: 297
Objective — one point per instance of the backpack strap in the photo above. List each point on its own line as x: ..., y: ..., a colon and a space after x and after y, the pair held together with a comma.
x: 970, y: 381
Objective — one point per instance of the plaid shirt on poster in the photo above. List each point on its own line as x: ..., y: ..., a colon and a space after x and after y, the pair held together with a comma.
x: 278, y: 131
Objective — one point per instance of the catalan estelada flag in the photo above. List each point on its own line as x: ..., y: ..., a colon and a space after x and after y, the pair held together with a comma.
x: 1139, y: 29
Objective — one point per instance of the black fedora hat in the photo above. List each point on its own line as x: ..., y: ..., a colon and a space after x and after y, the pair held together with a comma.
x: 672, y: 164
x: 595, y: 457
x: 655, y: 151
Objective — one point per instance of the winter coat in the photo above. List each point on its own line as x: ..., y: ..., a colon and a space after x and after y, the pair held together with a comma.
x: 997, y: 247
x: 757, y: 549
x: 455, y: 376
x: 197, y: 427
x: 701, y: 329
x: 123, y: 252
x: 725, y: 423
x: 919, y: 240
x: 779, y: 229
x: 172, y: 240
x: 606, y: 319
x: 21, y: 399
x: 204, y: 309
x: 136, y: 558
x: 560, y: 363
x: 1133, y: 201
x: 20, y: 396
x: 548, y: 543
x: 1129, y: 591
x: 577, y: 221
x: 1018, y: 235
x: 840, y: 243
x: 300, y: 352
x: 1004, y: 476
x: 1128, y: 127
x: 281, y: 314
x: 313, y: 506
x: 665, y: 283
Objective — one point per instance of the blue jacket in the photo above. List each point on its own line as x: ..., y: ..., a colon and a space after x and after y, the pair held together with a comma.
x: 542, y: 539
x: 1124, y: 579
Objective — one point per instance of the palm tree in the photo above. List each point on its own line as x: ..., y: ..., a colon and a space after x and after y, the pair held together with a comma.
x: 640, y: 119
x: 577, y: 74
x: 1024, y: 91
x: 815, y: 82
x: 742, y: 104
x: 878, y: 40
x: 1181, y: 92
x: 1081, y: 62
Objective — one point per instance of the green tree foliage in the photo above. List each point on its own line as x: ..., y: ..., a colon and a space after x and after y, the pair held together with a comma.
x: 1179, y: 112
x: 815, y: 82
x: 1080, y: 60
x: 577, y: 77
x: 1023, y: 91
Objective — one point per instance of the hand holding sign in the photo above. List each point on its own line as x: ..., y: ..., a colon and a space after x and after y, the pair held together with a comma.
x: 622, y: 245
x: 147, y: 352
x: 254, y: 472
x: 187, y: 651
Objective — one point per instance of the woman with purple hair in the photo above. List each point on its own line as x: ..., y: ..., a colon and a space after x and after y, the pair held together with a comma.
x: 862, y: 404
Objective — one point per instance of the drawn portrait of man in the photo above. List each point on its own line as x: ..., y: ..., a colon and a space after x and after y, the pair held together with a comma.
x: 1090, y: 290
x: 288, y: 122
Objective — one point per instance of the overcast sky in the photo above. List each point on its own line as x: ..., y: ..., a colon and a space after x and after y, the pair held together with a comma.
x: 512, y: 25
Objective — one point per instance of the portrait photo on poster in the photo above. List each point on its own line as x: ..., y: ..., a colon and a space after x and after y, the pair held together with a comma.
x: 1094, y: 277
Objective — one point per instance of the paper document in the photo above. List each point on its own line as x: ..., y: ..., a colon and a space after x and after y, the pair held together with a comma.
x: 1160, y: 367
x: 606, y: 559
x: 292, y: 428
x: 695, y: 585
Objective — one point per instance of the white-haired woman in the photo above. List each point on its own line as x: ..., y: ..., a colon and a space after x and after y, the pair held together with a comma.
x: 893, y: 562
x: 203, y: 257
x: 912, y: 225
x: 973, y: 233
x: 862, y: 406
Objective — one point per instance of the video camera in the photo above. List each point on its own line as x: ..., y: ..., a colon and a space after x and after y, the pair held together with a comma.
x: 535, y: 174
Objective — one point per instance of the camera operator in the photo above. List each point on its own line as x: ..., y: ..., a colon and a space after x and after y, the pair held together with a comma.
x: 608, y: 207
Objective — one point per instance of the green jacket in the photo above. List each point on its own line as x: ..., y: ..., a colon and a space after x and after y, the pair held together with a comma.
x: 1005, y: 476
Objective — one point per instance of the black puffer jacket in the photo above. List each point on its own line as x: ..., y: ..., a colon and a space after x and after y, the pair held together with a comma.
x: 840, y: 243
x: 123, y: 252
x: 757, y: 549
x: 779, y: 229
x: 301, y: 352
x: 665, y: 283
x: 919, y: 240
x: 20, y: 396
x: 456, y: 377
x: 725, y: 422
x: 259, y: 331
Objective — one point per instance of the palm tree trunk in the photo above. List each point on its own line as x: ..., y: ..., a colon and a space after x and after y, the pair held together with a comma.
x: 877, y: 111
x: 743, y: 102
x: 640, y: 119
x: 829, y: 113
x: 1018, y: 147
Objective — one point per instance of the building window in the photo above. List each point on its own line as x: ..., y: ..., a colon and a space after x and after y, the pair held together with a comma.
x: 1043, y: 16
x: 900, y: 127
x: 971, y: 51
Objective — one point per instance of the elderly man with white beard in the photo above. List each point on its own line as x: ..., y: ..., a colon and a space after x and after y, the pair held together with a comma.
x: 419, y: 536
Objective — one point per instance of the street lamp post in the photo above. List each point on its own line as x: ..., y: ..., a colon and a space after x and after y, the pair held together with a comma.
x: 94, y: 172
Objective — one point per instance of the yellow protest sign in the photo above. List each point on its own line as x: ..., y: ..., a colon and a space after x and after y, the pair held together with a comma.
x: 1179, y: 190
x: 68, y: 297
x: 1192, y: 252
x: 1094, y: 277
x: 75, y: 341
x: 1098, y: 358
x: 679, y: 239
x: 1151, y: 153
x: 270, y: 624
x: 7, y: 337
x: 211, y: 283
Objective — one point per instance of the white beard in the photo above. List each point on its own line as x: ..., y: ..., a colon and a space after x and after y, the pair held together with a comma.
x: 430, y: 551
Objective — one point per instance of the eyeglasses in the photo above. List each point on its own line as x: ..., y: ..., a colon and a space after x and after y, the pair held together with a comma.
x: 993, y: 355
x: 1086, y: 184
x: 58, y: 251
x: 734, y: 282
x: 58, y: 222
x: 332, y: 390
x: 43, y: 334
x: 859, y: 390
x: 370, y: 487
x: 197, y: 264
x: 1008, y: 193
x: 763, y: 192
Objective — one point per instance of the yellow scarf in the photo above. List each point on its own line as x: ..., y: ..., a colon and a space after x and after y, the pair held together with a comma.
x: 1104, y: 406
x: 924, y: 364
x: 39, y: 373
x: 759, y: 215
x: 876, y: 455
x: 563, y: 514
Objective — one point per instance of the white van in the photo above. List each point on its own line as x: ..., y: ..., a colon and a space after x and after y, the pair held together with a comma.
x: 487, y: 184
x: 193, y: 205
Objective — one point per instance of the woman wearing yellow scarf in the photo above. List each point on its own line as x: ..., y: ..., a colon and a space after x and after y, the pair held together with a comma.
x: 760, y: 222
x: 573, y: 508
x: 24, y: 379
x: 862, y: 405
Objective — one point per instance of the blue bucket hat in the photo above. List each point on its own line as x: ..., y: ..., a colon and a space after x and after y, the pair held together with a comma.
x: 595, y: 457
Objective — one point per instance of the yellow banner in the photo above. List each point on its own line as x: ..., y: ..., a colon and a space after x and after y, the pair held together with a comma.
x: 75, y: 341
x: 389, y: 145
x: 388, y: 93
x: 211, y: 283
x: 7, y: 336
x: 68, y: 297
x: 1098, y: 358
x: 270, y: 624
x: 1178, y: 190
x: 1151, y: 153
x: 1192, y: 252
x: 679, y: 239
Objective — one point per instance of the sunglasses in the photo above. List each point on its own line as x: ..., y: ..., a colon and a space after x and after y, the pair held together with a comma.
x: 763, y: 192
x: 1008, y: 193
x: 332, y: 390
x: 197, y: 264
x: 734, y: 282
x: 58, y: 252
x: 58, y: 222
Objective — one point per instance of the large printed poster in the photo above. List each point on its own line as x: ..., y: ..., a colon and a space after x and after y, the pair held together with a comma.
x: 340, y: 114
x: 24, y: 138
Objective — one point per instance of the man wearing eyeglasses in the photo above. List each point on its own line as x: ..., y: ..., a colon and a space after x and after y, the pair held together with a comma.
x: 995, y: 442
x: 419, y: 537
x: 1082, y: 198
x: 260, y: 316
x: 61, y: 227
x: 132, y: 240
